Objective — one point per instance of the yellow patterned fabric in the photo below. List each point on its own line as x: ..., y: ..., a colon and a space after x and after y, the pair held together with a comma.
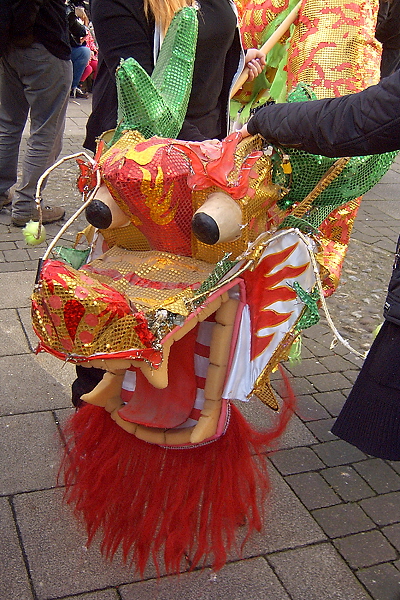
x: 110, y: 306
x: 333, y: 48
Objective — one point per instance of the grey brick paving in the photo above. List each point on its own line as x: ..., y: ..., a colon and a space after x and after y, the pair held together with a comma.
x: 12, y: 337
x: 331, y: 401
x: 308, y: 409
x: 335, y: 381
x: 365, y: 549
x: 312, y: 490
x: 14, y: 581
x: 103, y: 595
x: 297, y: 460
x: 380, y: 476
x: 392, y: 532
x: 383, y: 509
x: 333, y: 518
x: 39, y: 392
x: 344, y: 519
x: 247, y: 580
x: 316, y: 572
x: 347, y: 483
x: 322, y: 429
x: 382, y: 581
x: 58, y: 559
x: 338, y: 452
x: 33, y: 469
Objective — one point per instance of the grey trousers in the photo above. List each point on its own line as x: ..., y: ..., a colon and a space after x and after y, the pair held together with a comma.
x: 32, y: 80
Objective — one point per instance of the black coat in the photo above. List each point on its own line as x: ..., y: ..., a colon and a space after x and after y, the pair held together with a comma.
x: 388, y: 24
x: 23, y: 22
x: 122, y: 31
x: 356, y: 125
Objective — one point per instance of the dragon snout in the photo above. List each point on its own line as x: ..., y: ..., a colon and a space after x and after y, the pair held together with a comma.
x: 98, y: 214
x: 104, y: 213
x: 218, y: 220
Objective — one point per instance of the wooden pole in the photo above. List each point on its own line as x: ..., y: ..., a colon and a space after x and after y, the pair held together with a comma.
x: 270, y: 43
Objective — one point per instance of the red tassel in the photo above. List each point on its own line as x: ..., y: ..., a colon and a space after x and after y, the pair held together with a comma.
x: 147, y: 499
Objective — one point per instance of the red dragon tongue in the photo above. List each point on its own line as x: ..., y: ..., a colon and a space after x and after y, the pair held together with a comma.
x: 73, y: 313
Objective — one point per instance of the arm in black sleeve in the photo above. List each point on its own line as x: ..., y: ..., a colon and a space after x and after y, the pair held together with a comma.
x: 122, y: 31
x: 76, y: 29
x: 364, y: 123
x: 190, y: 132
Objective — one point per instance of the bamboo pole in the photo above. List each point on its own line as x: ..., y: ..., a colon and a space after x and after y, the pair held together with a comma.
x: 269, y: 44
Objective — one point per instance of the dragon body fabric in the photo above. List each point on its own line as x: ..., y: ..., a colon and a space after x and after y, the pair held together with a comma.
x: 159, y: 459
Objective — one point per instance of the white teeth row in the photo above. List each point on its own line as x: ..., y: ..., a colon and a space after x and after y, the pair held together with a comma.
x: 107, y: 393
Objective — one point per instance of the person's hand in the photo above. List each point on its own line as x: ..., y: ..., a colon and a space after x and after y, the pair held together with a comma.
x: 243, y: 131
x: 255, y: 62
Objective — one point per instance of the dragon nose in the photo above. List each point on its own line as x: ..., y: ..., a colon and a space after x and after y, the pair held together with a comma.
x: 218, y: 220
x: 104, y: 213
x: 98, y: 214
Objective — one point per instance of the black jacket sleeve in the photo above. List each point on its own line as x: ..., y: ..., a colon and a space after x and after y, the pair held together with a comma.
x: 364, y: 123
x: 76, y: 29
x: 122, y: 30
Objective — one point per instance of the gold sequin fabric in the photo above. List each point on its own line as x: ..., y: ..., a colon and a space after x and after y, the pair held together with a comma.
x: 110, y: 306
x: 151, y: 280
x: 149, y: 181
x: 333, y: 48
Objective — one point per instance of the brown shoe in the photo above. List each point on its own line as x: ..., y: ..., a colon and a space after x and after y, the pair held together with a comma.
x: 50, y: 215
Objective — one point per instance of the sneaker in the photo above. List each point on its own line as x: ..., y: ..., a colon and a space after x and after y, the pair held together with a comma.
x: 77, y: 93
x: 5, y: 199
x: 50, y: 215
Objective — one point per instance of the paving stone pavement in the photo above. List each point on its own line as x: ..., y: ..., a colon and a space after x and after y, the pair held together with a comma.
x: 333, y: 530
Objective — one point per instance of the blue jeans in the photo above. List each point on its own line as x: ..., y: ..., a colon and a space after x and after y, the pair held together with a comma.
x: 32, y: 81
x: 80, y: 57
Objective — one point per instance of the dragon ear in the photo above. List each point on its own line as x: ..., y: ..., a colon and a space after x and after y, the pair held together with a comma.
x: 156, y: 105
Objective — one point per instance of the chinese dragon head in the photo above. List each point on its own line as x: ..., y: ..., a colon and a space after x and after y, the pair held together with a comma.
x: 203, y: 270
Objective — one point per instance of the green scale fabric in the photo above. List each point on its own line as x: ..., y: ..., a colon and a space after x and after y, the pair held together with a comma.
x: 359, y: 175
x: 156, y: 105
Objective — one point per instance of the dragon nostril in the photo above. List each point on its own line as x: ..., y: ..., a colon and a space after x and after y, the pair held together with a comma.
x: 205, y: 228
x: 98, y: 214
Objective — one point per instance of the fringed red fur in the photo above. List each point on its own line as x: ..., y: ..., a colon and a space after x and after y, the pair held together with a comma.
x: 150, y: 500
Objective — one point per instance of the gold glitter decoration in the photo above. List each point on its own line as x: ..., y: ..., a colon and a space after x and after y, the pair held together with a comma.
x: 128, y: 237
x: 95, y: 310
x: 156, y: 274
x: 98, y: 331
x: 254, y: 205
x: 262, y: 387
x: 264, y: 392
x: 333, y: 48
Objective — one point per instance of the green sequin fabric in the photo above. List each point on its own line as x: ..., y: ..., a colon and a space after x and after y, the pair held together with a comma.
x: 221, y: 269
x: 156, y: 105
x: 359, y: 175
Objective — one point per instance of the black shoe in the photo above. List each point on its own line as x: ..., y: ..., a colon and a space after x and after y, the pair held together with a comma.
x: 77, y: 93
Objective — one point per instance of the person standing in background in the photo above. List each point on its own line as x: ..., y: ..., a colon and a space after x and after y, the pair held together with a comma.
x: 388, y: 33
x: 35, y: 80
x: 133, y: 28
x: 80, y: 52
